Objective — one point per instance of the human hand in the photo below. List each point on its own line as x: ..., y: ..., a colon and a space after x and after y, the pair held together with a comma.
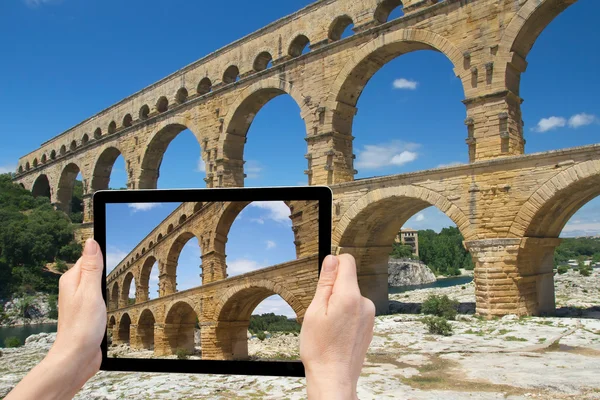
x: 336, y: 332
x: 75, y: 356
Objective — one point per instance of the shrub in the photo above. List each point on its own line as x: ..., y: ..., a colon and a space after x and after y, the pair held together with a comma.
x: 438, y: 326
x: 182, y: 354
x: 440, y: 306
x: 61, y: 266
x: 12, y: 342
x: 261, y: 336
x: 23, y: 304
x: 562, y: 269
x: 52, y: 305
x: 585, y: 271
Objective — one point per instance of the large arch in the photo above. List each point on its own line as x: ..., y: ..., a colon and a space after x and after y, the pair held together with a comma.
x: 156, y: 148
x: 239, y: 118
x: 41, y: 187
x: 114, y: 296
x: 180, y: 323
x: 368, y: 228
x: 145, y: 330
x: 547, y: 211
x: 124, y: 332
x: 168, y: 280
x: 126, y: 287
x: 66, y: 183
x: 522, y: 32
x: 352, y: 79
x: 144, y: 279
x: 103, y: 168
x: 234, y: 308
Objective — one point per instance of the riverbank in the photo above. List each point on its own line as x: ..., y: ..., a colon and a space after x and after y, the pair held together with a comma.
x: 509, y: 358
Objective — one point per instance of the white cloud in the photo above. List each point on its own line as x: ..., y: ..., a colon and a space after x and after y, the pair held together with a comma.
x: 403, y: 83
x: 7, y: 169
x: 547, y: 124
x: 252, y: 169
x: 201, y: 167
x: 260, y: 221
x: 114, y: 256
x: 242, y: 266
x: 142, y: 206
x: 450, y: 164
x: 271, y: 244
x: 277, y: 211
x: 395, y: 153
x: 274, y: 304
x: 583, y: 119
x: 37, y: 3
x: 420, y: 217
x: 154, y: 274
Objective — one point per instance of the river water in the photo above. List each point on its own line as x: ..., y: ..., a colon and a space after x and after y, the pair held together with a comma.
x: 440, y: 283
x: 23, y: 332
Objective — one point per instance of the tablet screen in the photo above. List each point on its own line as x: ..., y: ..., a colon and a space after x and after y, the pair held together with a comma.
x: 212, y: 280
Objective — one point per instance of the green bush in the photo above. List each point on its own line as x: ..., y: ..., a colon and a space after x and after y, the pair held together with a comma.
x: 261, y: 336
x: 24, y: 304
x: 272, y: 323
x: 585, y: 271
x: 61, y: 266
x: 53, y: 306
x: 12, y: 342
x: 438, y: 326
x: 440, y: 306
x: 562, y: 269
x: 182, y: 354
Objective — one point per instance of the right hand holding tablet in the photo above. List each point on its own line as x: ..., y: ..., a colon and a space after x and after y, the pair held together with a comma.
x: 336, y: 332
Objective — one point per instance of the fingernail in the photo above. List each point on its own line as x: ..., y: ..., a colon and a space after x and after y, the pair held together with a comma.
x: 91, y: 248
x: 330, y: 263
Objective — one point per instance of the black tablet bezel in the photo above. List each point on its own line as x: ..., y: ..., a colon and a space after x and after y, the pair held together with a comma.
x: 322, y: 194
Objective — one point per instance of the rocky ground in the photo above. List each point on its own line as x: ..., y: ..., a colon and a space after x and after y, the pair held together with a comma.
x: 37, y: 311
x: 508, y: 358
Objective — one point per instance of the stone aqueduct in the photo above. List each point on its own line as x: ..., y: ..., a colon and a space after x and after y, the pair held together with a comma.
x: 222, y: 305
x: 509, y: 206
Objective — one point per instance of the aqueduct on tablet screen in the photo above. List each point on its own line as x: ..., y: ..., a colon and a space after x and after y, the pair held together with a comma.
x: 188, y: 280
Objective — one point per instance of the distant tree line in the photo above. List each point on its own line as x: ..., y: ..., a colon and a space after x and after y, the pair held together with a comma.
x: 272, y: 323
x: 578, y: 249
x: 443, y: 252
x: 32, y: 234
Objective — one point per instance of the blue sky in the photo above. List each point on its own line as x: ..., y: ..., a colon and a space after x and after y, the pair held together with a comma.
x: 65, y: 60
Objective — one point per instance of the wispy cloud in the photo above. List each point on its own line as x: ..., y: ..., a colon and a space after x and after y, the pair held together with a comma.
x: 406, y: 84
x: 395, y: 153
x: 242, y: 266
x: 38, y: 3
x: 276, y: 305
x: 554, y: 122
x: 136, y: 207
x: 253, y: 169
x: 582, y: 119
x: 271, y: 244
x: 420, y: 217
x: 276, y: 211
x: 7, y: 169
x: 201, y: 167
x: 114, y: 256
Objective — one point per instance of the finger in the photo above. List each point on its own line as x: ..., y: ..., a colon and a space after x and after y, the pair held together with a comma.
x: 326, y: 281
x: 68, y: 282
x: 347, y: 280
x: 91, y: 267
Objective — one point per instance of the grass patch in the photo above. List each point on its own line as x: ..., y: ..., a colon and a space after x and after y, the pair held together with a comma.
x: 503, y: 331
x: 541, y: 340
x: 514, y: 339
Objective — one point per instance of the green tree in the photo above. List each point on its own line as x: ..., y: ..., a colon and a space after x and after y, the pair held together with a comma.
x: 402, y: 251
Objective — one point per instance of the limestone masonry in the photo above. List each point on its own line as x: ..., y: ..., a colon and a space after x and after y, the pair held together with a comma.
x: 510, y: 206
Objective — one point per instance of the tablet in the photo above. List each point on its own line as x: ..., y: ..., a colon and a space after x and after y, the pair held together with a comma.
x: 210, y: 280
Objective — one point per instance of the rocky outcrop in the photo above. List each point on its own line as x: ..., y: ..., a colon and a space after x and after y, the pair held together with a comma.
x: 404, y: 272
x: 36, y: 311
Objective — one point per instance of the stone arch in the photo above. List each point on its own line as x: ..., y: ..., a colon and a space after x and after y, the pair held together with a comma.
x: 126, y: 287
x: 170, y: 228
x: 53, y: 154
x: 145, y: 330
x: 368, y: 228
x: 44, y: 159
x: 180, y: 323
x: 182, y: 219
x: 234, y: 308
x: 27, y: 166
x: 204, y: 86
x: 162, y: 104
x: 262, y: 61
x: 159, y: 238
x: 103, y: 168
x: 98, y: 133
x: 338, y: 26
x: 127, y: 120
x: 144, y: 112
x: 73, y: 145
x: 240, y: 116
x: 298, y: 45
x: 124, y: 331
x: 20, y: 169
x: 35, y: 162
x: 114, y: 296
x: 111, y: 322
x: 66, y: 183
x: 144, y: 278
x: 181, y: 96
x: 112, y: 127
x: 231, y: 74
x: 547, y: 211
x: 41, y: 187
x: 85, y: 139
x: 157, y: 146
x: 63, y: 150
x: 197, y: 207
x: 151, y: 244
x: 168, y: 280
x: 384, y: 9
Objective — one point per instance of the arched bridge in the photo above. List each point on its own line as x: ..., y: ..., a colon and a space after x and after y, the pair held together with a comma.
x: 510, y: 206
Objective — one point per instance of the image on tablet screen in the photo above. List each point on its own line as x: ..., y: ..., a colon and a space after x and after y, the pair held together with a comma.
x: 209, y: 280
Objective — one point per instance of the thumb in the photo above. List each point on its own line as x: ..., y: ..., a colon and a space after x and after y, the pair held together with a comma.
x: 326, y: 281
x: 91, y: 265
